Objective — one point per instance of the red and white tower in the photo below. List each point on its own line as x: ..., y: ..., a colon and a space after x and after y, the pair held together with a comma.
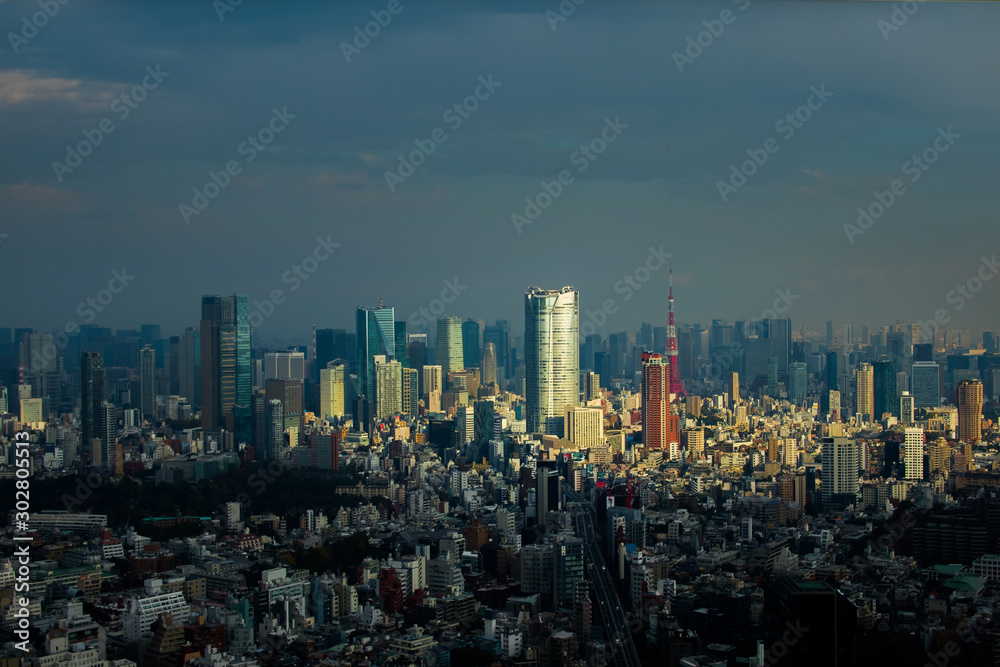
x: 676, y: 385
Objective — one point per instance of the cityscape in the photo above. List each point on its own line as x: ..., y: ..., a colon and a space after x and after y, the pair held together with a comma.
x: 520, y: 334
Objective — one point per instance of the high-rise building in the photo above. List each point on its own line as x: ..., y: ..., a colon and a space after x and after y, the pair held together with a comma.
x: 431, y: 381
x: 970, y: 410
x: 189, y: 366
x: 552, y: 356
x: 331, y: 389
x: 376, y: 336
x: 840, y: 468
x: 906, y: 409
x: 591, y: 386
x: 147, y: 393
x: 489, y: 364
x: 290, y: 393
x: 411, y: 392
x: 449, y: 344
x: 388, y: 387
x: 926, y: 383
x: 884, y: 382
x: 285, y: 366
x: 471, y: 335
x: 108, y: 426
x: 913, y: 453
x: 499, y: 335
x: 226, y: 380
x: 733, y: 389
x: 655, y: 400
x: 94, y: 391
x: 829, y: 335
x: 798, y: 382
x: 275, y: 443
x: 865, y: 401
x: 585, y: 427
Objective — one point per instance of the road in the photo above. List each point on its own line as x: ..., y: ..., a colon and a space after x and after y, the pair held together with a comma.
x: 623, y: 651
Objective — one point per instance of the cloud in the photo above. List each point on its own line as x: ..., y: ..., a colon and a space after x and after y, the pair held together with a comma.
x: 818, y: 173
x: 20, y: 86
x: 39, y: 197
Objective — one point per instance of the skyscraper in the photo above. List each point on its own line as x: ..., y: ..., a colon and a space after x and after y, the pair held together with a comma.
x: 411, y: 392
x: 431, y: 381
x: 865, y: 402
x: 840, y: 468
x: 449, y: 344
x: 147, y: 369
x: 275, y: 443
x: 591, y: 386
x: 885, y: 396
x: 798, y: 382
x: 108, y: 433
x: 499, y: 335
x: 376, y: 334
x: 489, y: 363
x: 94, y: 391
x: 970, y: 410
x: 552, y: 356
x: 331, y: 389
x: 471, y: 331
x: 906, y: 409
x: 913, y: 453
x: 290, y: 393
x: 388, y: 387
x: 226, y: 380
x: 655, y: 400
x: 926, y: 381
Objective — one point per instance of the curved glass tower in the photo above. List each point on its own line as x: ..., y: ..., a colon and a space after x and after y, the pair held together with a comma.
x: 552, y: 356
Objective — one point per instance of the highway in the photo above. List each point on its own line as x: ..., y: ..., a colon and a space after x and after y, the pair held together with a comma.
x: 620, y: 642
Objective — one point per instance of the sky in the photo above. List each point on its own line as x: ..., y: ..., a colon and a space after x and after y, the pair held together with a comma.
x: 675, y: 116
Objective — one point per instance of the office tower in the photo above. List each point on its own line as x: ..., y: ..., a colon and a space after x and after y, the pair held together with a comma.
x: 798, y: 382
x: 449, y: 344
x: 899, y: 350
x: 147, y: 368
x: 324, y: 348
x: 865, y: 402
x: 645, y: 339
x: 552, y: 356
x: 37, y: 353
x: 376, y: 336
x: 884, y: 378
x: 189, y: 366
x: 471, y: 333
x: 591, y: 386
x: 585, y: 427
x: 926, y: 382
x: 840, y: 469
x: 913, y: 453
x: 94, y: 392
x: 275, y: 446
x: 772, y: 377
x: 720, y: 338
x: 547, y: 496
x: 416, y: 351
x: 173, y: 370
x: 833, y: 401
x: 990, y: 342
x: 411, y: 392
x: 567, y: 565
x: 400, y: 335
x: 602, y: 364
x: 923, y: 352
x: 733, y: 388
x: 674, y: 383
x: 484, y: 426
x: 902, y: 383
x: 290, y: 393
x: 778, y: 332
x: 970, y: 410
x: 829, y: 335
x: 685, y: 352
x: 108, y: 433
x: 285, y: 366
x: 331, y: 389
x: 431, y: 382
x: 655, y: 400
x: 499, y: 335
x: 226, y: 380
x: 848, y: 338
x: 617, y: 352
x: 489, y: 364
x: 833, y: 370
x: 258, y: 423
x: 388, y: 387
x: 659, y: 340
x: 906, y: 409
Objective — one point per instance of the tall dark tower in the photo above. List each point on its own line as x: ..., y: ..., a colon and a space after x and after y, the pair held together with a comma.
x: 94, y: 391
x: 886, y: 398
x: 676, y: 384
x: 226, y: 380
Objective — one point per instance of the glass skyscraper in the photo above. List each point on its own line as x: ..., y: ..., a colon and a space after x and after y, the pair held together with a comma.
x: 376, y: 334
x: 552, y: 356
x: 449, y: 345
x: 926, y: 380
x: 226, y: 377
x: 886, y: 398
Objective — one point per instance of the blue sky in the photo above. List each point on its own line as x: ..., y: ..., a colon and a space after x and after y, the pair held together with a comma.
x: 656, y: 184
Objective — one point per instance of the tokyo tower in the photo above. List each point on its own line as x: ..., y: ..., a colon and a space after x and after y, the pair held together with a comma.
x: 676, y: 385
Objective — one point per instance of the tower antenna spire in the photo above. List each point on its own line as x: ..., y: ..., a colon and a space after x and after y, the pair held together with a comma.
x: 676, y: 385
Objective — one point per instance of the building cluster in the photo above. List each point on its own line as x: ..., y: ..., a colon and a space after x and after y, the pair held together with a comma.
x: 679, y: 495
